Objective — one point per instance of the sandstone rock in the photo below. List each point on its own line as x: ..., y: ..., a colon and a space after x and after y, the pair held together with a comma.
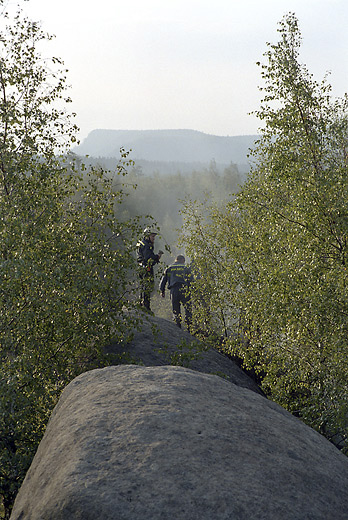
x: 161, y: 342
x: 169, y: 443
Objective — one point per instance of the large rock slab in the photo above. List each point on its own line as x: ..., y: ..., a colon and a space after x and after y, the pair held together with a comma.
x: 164, y: 443
x: 161, y: 342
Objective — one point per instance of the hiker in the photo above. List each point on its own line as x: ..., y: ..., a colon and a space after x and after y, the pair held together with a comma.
x: 178, y: 277
x: 147, y: 259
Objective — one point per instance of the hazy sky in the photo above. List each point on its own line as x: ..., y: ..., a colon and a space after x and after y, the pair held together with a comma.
x: 160, y: 64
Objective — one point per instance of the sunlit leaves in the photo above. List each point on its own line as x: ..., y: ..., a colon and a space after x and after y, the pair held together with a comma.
x: 65, y: 256
x: 283, y: 245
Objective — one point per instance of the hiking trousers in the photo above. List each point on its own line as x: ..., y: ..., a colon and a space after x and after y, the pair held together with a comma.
x: 180, y: 296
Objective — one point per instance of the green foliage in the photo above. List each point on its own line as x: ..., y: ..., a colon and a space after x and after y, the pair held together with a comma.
x: 161, y: 194
x: 184, y: 353
x: 274, y: 260
x: 65, y: 255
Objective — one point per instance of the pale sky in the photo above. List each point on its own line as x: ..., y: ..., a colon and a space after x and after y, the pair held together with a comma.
x: 182, y: 64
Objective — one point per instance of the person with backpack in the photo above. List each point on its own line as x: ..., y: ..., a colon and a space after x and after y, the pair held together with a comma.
x: 147, y: 259
x: 178, y: 278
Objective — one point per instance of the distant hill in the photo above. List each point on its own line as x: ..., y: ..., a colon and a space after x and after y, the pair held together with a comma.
x: 184, y: 146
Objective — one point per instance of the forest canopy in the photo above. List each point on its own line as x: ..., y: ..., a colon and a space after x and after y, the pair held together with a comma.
x: 272, y: 263
x: 65, y: 255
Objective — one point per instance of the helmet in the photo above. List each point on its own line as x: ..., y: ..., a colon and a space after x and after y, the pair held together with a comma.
x: 149, y: 231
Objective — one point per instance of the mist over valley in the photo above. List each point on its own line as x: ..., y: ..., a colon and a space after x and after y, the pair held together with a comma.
x: 168, y: 151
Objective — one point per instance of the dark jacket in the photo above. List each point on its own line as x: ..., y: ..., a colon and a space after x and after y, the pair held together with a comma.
x: 176, y: 274
x: 145, y: 255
